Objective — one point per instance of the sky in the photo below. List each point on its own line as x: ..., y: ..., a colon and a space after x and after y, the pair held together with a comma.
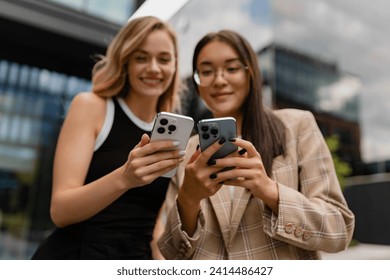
x: 353, y: 34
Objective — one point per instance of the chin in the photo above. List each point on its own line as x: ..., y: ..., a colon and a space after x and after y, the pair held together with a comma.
x: 222, y: 108
x: 153, y: 91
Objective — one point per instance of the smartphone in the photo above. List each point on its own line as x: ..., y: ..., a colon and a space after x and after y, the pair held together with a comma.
x: 211, y: 130
x: 170, y: 126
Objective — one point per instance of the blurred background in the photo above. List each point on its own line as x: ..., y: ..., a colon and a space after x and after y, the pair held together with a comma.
x: 327, y: 56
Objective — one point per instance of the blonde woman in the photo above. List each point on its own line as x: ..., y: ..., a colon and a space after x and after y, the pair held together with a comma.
x: 107, y: 189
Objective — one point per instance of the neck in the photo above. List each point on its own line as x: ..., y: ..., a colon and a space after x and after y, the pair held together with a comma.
x: 143, y: 108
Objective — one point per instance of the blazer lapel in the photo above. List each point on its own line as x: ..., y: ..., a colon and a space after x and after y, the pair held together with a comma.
x: 222, y: 206
x: 228, y: 212
x: 240, y: 200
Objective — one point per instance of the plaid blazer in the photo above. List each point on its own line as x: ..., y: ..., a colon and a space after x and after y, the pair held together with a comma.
x: 313, y: 214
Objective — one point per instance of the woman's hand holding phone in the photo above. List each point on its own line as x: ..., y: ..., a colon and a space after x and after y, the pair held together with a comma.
x: 174, y: 127
x: 249, y: 173
x: 150, y: 160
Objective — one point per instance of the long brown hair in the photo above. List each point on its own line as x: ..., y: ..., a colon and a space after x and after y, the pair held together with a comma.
x: 260, y: 125
x: 110, y: 74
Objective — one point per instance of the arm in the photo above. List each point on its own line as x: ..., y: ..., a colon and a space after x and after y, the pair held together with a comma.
x: 72, y: 201
x: 313, y: 213
x: 184, y: 226
x: 157, y: 232
x: 198, y: 184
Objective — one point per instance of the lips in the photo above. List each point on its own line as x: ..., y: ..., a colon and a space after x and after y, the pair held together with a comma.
x: 220, y: 94
x: 151, y: 81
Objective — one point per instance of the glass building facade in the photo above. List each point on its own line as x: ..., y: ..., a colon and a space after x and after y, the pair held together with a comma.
x: 40, y: 72
x: 330, y: 57
x: 33, y: 103
x: 117, y: 12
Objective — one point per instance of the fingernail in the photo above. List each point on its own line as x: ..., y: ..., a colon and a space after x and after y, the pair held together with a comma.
x: 182, y: 153
x: 242, y: 151
x: 213, y: 176
x: 176, y: 143
x: 211, y: 162
x: 232, y: 139
x: 222, y: 140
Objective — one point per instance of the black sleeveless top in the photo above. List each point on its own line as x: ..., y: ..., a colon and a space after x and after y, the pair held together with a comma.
x: 128, y: 222
x: 123, y: 230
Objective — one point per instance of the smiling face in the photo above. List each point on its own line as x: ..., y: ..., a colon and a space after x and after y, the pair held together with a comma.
x: 152, y: 66
x: 227, y: 92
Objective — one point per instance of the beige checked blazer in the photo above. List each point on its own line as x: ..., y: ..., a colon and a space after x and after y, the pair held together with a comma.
x: 313, y: 214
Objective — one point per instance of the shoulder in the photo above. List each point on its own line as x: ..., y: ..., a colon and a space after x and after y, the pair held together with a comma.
x: 298, y: 122
x: 87, y: 108
x: 294, y: 116
x: 292, y: 113
x: 88, y: 99
x: 88, y: 104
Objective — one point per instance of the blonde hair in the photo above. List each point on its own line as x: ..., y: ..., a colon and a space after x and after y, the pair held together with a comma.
x: 110, y: 73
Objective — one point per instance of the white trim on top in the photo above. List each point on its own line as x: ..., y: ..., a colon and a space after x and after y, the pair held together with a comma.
x: 108, y: 121
x: 147, y: 126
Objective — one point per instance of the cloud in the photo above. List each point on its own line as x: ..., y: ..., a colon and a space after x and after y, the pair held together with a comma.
x: 354, y: 34
x: 375, y: 120
x: 335, y: 96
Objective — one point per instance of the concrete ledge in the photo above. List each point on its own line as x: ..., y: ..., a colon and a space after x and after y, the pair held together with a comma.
x: 362, y: 251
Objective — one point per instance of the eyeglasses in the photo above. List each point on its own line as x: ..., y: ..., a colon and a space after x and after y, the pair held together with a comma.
x: 206, y: 74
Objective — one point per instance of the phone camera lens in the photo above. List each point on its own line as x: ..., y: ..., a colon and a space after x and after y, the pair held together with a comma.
x: 205, y: 136
x: 161, y: 130
x: 214, y: 131
x: 163, y: 121
x: 172, y: 127
x: 204, y: 128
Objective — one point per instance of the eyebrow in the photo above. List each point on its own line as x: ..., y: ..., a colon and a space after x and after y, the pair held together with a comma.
x: 226, y: 61
x: 145, y: 52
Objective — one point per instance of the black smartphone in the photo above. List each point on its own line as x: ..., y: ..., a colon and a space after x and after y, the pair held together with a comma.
x: 170, y: 126
x: 211, y: 130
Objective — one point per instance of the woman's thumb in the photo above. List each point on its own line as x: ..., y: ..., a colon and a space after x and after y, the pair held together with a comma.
x: 144, y: 140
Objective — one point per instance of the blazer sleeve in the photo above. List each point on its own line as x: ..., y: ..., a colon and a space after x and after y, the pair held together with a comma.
x: 312, y: 213
x: 174, y: 242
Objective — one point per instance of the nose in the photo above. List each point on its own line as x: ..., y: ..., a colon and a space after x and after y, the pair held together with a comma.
x: 153, y: 66
x: 219, y: 77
